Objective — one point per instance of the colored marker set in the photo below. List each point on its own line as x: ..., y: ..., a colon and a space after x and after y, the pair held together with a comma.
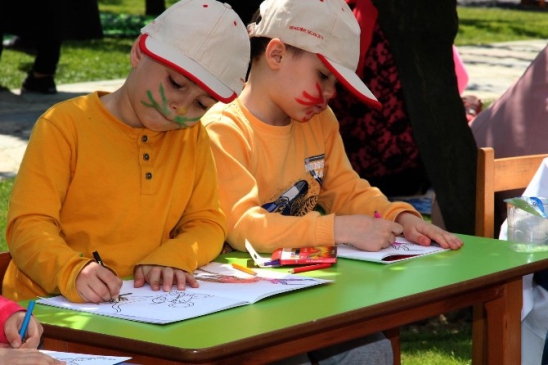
x: 313, y: 258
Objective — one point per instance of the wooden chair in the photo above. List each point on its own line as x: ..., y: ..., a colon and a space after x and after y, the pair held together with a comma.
x: 497, y: 175
x: 493, y: 176
x: 5, y: 258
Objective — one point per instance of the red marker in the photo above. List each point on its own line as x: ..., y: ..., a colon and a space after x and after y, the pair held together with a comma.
x: 309, y: 268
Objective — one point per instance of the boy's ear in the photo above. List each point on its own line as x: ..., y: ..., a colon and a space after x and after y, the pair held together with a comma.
x: 275, y: 52
x: 135, y: 54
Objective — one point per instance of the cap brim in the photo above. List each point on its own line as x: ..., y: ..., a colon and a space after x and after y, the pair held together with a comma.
x: 352, y: 82
x: 188, y: 67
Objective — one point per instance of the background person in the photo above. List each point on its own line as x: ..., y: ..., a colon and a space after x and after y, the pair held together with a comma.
x: 45, y: 24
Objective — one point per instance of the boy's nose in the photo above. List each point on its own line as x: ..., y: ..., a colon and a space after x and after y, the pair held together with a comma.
x: 182, y: 110
x: 180, y: 106
x: 329, y: 92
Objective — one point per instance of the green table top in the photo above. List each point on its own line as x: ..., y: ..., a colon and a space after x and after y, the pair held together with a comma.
x: 357, y: 284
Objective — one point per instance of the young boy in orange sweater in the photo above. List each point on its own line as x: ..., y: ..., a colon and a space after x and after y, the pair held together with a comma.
x: 130, y: 174
x: 285, y: 180
x: 279, y: 154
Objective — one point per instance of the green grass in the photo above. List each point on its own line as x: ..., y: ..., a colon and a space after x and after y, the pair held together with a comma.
x: 491, y: 25
x: 136, y: 7
x: 438, y: 341
x: 5, y: 190
x: 108, y: 59
x: 93, y: 60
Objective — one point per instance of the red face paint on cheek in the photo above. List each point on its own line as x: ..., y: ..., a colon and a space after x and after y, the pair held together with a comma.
x: 307, y: 116
x: 310, y: 100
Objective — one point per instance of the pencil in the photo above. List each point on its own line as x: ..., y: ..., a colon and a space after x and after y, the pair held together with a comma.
x: 244, y: 269
x: 309, y: 268
x: 26, y: 320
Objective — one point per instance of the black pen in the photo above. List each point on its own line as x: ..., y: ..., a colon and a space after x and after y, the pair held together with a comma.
x: 98, y: 258
x: 100, y: 262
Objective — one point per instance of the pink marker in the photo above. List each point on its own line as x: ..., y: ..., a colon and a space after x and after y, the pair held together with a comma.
x: 377, y: 214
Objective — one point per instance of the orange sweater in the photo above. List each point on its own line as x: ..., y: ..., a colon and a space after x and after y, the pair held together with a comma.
x: 90, y: 182
x: 290, y: 170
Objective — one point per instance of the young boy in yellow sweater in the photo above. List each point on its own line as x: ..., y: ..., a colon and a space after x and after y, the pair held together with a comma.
x: 130, y: 174
x: 285, y: 180
x: 279, y: 154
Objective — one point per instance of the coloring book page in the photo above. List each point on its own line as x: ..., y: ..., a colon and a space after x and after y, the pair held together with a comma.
x: 221, y: 287
x: 400, y: 250
x: 82, y: 359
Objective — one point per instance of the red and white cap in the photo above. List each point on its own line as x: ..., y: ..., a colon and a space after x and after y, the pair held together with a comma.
x: 206, y: 41
x: 327, y: 28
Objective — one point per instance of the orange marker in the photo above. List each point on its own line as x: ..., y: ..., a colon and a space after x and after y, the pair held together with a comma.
x: 244, y: 269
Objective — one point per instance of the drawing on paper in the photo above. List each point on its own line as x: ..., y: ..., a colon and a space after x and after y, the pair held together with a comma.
x: 203, y: 275
x: 173, y: 299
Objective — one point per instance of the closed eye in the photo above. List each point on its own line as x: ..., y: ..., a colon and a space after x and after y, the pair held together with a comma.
x: 173, y: 83
x: 205, y: 102
x: 202, y: 105
x: 323, y: 76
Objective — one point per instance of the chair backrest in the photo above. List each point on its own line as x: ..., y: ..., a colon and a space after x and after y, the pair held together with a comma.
x: 496, y: 175
x: 5, y: 258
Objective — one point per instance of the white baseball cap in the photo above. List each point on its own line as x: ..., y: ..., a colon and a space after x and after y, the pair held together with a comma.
x: 206, y: 41
x: 327, y: 28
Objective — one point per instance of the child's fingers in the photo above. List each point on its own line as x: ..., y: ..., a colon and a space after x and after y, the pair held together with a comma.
x: 138, y: 277
x: 34, y: 332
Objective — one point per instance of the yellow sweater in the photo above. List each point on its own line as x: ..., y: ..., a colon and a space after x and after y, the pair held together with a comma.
x: 273, y: 179
x: 89, y: 182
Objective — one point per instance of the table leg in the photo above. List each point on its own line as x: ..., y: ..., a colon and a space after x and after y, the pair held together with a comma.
x: 479, y: 329
x: 393, y: 335
x: 497, y: 327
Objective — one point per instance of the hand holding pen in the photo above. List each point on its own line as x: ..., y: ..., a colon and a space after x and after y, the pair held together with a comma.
x: 22, y: 330
x: 366, y: 232
x: 97, y: 284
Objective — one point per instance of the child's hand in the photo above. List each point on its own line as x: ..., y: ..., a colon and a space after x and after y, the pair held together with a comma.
x: 11, y: 330
x: 26, y: 357
x: 97, y: 284
x: 365, y: 233
x: 418, y: 230
x: 163, y: 276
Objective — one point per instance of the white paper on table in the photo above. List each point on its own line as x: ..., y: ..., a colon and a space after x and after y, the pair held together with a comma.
x: 83, y: 359
x: 221, y: 287
x: 400, y: 250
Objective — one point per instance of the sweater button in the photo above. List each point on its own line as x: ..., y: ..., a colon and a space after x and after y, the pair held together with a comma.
x: 148, y: 175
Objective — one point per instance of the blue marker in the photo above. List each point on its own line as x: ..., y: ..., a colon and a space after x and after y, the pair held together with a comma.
x: 25, y: 325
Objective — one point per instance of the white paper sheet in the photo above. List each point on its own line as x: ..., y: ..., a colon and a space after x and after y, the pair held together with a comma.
x: 83, y: 359
x: 401, y: 250
x: 221, y: 287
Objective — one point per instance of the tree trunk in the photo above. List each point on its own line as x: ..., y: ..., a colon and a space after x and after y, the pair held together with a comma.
x: 421, y: 35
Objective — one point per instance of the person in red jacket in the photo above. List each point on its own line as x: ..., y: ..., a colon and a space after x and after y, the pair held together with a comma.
x: 14, y: 349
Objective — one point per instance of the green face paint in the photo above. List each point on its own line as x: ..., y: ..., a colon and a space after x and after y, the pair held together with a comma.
x: 163, y: 108
x: 183, y: 121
